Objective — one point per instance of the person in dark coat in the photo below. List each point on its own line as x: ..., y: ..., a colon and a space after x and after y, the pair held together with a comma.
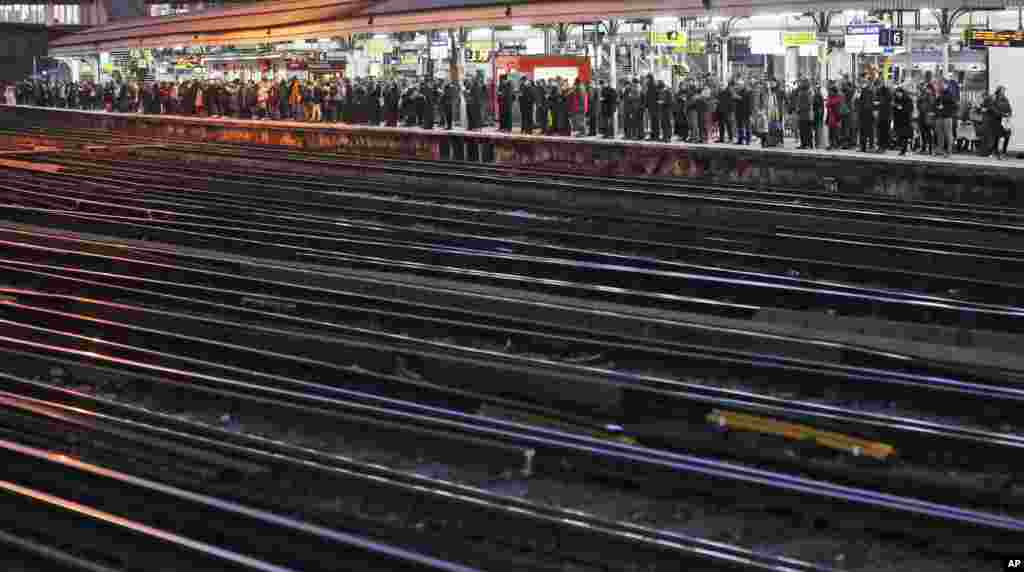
x: 376, y: 94
x: 651, y: 96
x: 1001, y: 106
x: 472, y: 104
x: 560, y: 103
x: 445, y: 104
x: 593, y: 109
x: 805, y: 114
x: 283, y: 100
x: 429, y: 97
x: 409, y: 105
x: 506, y: 98
x: 742, y: 110
x: 884, y: 123
x: 866, y: 117
x: 926, y: 118
x: 526, y: 99
x: 902, y: 115
x: 540, y: 103
x: 726, y: 112
x: 392, y: 99
x: 631, y: 103
x: 665, y: 104
x: 818, y: 103
x: 609, y: 103
x: 682, y: 128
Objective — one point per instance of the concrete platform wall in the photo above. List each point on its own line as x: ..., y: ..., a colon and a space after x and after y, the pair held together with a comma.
x: 962, y: 179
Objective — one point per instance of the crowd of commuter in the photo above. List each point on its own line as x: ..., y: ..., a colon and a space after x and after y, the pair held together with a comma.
x: 847, y: 114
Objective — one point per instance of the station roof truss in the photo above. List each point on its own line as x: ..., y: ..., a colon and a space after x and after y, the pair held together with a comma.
x: 288, y: 20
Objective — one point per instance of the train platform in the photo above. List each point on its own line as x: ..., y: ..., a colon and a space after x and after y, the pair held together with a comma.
x: 790, y: 146
x: 958, y: 178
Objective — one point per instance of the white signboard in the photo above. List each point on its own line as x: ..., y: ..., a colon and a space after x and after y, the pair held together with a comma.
x: 766, y: 42
x: 862, y: 39
x: 567, y: 73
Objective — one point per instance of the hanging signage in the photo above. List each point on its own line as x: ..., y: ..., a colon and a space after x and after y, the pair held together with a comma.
x: 671, y: 38
x: 890, y: 38
x: 478, y: 51
x: 739, y: 48
x: 766, y: 43
x: 694, y: 47
x: 978, y: 39
x: 795, y: 39
x: 377, y: 48
x: 863, y: 38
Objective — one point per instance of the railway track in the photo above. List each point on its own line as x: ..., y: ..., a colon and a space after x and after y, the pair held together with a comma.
x: 95, y: 139
x: 905, y: 253
x: 429, y: 514
x: 600, y: 275
x: 128, y: 332
x: 184, y: 317
x: 88, y: 412
x: 172, y: 527
x: 951, y: 215
x: 893, y: 248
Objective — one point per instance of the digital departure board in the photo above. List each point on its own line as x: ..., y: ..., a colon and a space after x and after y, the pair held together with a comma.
x: 995, y: 39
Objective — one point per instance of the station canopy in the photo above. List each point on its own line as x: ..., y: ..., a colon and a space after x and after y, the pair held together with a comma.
x: 288, y: 20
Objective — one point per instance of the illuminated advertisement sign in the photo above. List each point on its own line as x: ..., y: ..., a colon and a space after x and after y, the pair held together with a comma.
x: 793, y: 39
x: 996, y: 39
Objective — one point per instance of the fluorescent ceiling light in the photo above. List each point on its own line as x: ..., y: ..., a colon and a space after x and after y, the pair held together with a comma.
x: 380, y: 36
x: 521, y: 28
x: 665, y: 20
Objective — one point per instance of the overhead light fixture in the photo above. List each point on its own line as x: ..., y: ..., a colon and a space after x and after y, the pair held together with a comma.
x: 521, y: 28
x: 380, y: 36
x: 665, y: 20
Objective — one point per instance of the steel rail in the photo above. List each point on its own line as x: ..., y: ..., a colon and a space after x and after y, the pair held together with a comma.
x: 110, y: 348
x: 920, y: 440
x: 991, y: 531
x: 647, y: 286
x: 270, y: 222
x: 917, y: 254
x: 191, y: 291
x: 541, y: 176
x: 575, y: 534
x: 217, y: 522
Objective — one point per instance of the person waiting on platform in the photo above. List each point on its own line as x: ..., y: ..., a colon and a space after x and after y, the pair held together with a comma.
x: 699, y: 108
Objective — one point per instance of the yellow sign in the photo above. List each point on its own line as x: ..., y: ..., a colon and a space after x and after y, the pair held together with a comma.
x: 793, y: 39
x: 676, y: 39
x: 410, y: 59
x: 480, y: 45
x: 695, y: 47
x: 479, y: 50
x: 377, y: 48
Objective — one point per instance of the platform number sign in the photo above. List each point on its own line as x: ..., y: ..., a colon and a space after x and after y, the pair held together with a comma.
x: 1015, y: 564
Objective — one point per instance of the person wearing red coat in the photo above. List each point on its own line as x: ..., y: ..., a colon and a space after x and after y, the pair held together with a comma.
x: 832, y: 106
